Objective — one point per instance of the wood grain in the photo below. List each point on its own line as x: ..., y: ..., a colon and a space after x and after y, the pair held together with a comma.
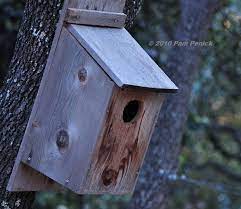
x: 96, y: 18
x: 122, y: 146
x: 101, y: 5
x: 122, y: 58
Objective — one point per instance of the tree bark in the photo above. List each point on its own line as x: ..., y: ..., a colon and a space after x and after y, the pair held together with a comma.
x: 20, y: 88
x: 21, y: 85
x: 182, y: 66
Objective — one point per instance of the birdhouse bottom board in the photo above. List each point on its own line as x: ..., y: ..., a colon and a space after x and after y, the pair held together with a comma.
x: 85, y: 133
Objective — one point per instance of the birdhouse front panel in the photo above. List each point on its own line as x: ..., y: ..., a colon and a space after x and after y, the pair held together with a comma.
x: 121, y: 147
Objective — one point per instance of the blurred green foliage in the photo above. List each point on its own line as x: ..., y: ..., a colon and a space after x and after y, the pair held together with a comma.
x: 211, y: 149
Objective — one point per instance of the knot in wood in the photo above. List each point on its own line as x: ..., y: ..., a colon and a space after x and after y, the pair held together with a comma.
x: 62, y: 139
x: 109, y: 177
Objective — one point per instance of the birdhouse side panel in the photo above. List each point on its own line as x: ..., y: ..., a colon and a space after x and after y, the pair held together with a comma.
x: 68, y: 115
x: 124, y: 141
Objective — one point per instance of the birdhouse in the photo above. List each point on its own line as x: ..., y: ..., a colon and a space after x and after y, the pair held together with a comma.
x: 93, y: 116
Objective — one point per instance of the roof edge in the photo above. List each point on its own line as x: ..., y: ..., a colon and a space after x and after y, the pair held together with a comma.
x: 168, y: 87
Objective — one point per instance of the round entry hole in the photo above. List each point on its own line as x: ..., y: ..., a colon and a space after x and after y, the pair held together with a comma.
x: 131, y: 110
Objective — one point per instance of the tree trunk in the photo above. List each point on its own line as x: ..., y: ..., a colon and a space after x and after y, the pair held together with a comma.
x: 182, y: 66
x: 21, y: 85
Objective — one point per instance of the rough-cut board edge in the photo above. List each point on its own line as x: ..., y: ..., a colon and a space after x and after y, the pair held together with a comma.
x: 29, y: 179
x: 95, y: 41
x: 95, y: 18
x: 103, y: 5
x: 20, y: 176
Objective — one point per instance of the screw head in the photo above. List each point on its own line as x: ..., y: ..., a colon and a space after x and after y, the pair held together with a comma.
x: 30, y: 157
x: 82, y: 75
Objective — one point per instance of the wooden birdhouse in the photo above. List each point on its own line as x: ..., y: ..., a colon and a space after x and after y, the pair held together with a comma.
x: 95, y: 111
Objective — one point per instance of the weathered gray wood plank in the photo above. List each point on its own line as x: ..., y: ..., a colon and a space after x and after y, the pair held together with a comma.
x: 96, y: 18
x: 67, y: 104
x: 122, y: 58
x: 101, y: 5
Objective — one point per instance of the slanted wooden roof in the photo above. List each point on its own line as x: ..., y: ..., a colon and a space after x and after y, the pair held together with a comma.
x: 121, y: 57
